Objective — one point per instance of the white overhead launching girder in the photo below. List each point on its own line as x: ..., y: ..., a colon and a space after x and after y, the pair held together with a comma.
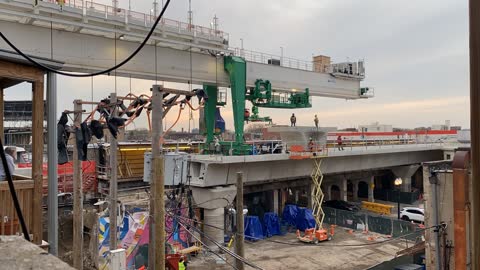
x: 83, y: 41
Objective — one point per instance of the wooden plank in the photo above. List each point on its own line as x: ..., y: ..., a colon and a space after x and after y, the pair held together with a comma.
x: 37, y: 157
x: 20, y: 184
x: 20, y: 72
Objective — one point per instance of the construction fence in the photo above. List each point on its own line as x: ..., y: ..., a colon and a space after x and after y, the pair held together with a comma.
x: 373, y: 223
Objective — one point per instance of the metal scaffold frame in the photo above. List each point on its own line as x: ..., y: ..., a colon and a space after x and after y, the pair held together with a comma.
x: 317, y: 193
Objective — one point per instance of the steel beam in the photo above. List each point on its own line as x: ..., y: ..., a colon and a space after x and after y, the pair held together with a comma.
x: 52, y: 163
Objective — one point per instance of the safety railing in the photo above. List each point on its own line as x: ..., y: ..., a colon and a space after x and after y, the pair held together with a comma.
x: 9, y: 221
x: 271, y: 59
x: 109, y: 12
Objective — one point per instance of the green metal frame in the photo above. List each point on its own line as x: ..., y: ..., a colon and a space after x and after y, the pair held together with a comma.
x: 260, y: 96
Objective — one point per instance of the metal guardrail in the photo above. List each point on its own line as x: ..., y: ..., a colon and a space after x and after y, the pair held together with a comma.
x: 133, y: 17
x: 266, y: 58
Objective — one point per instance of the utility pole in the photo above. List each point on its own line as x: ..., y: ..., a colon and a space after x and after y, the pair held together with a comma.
x: 156, y: 251
x: 52, y: 164
x: 77, y: 194
x: 239, y: 238
x: 215, y: 24
x: 474, y: 20
x: 190, y: 15
x: 112, y: 208
x: 281, y: 56
x: 155, y: 9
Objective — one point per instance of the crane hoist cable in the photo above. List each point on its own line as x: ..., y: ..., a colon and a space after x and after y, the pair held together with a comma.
x: 139, y: 48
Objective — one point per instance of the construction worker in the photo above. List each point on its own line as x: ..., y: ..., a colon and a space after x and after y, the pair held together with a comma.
x: 246, y: 115
x: 181, y: 264
x: 10, y: 154
x: 311, y: 145
x: 316, y: 121
x: 293, y: 120
x: 61, y: 3
x: 339, y: 143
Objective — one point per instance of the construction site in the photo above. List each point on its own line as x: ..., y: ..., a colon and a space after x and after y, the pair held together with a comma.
x: 186, y: 152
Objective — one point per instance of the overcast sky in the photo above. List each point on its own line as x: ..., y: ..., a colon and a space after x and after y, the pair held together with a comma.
x: 416, y: 55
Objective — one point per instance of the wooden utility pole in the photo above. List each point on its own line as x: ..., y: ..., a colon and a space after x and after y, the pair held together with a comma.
x: 77, y: 193
x: 2, y: 105
x: 239, y: 238
x: 156, y: 251
x: 475, y: 127
x: 113, y: 179
x: 37, y: 157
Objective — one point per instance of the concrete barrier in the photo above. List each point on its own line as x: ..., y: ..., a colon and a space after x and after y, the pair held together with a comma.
x: 378, y: 208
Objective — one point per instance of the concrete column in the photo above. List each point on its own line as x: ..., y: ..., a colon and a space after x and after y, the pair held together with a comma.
x: 344, y: 190
x: 275, y: 202
x: 406, y: 184
x: 355, y: 190
x: 309, y: 196
x: 371, y: 187
x: 328, y: 194
x: 214, y: 217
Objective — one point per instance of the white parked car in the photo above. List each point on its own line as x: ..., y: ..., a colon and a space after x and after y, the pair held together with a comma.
x: 412, y: 213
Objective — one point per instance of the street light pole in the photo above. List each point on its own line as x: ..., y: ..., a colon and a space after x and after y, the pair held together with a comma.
x: 281, y: 56
x: 398, y: 206
x: 397, y: 183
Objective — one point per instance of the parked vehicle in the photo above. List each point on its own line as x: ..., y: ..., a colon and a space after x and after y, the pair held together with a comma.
x: 341, y: 205
x: 412, y: 213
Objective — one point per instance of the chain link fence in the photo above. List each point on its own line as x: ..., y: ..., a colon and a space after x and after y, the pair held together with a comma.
x: 373, y: 223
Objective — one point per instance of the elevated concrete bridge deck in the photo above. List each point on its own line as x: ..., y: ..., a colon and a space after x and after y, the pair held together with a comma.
x: 210, y: 171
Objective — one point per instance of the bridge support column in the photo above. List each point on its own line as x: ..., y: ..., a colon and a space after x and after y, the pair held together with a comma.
x: 213, y: 201
x: 344, y: 190
x: 405, y: 172
x: 355, y: 190
x: 371, y: 187
x: 275, y: 201
x: 215, y: 218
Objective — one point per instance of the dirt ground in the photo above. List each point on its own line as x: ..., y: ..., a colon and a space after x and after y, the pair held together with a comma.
x: 326, y: 255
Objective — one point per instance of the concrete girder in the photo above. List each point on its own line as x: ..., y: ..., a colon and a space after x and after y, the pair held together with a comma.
x: 207, y: 171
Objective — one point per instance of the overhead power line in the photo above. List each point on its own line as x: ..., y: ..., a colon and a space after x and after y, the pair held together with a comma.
x: 42, y: 66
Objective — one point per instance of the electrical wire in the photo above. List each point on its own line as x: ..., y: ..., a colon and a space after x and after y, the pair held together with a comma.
x: 226, y: 250
x: 176, y: 121
x: 139, y: 48
x: 207, y: 247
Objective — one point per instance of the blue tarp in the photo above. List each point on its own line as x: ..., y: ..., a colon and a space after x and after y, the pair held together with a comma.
x: 272, y: 224
x: 253, y: 228
x: 304, y: 219
x: 290, y: 212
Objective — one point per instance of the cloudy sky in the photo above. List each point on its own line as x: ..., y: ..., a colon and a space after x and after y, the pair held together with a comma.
x: 416, y: 55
